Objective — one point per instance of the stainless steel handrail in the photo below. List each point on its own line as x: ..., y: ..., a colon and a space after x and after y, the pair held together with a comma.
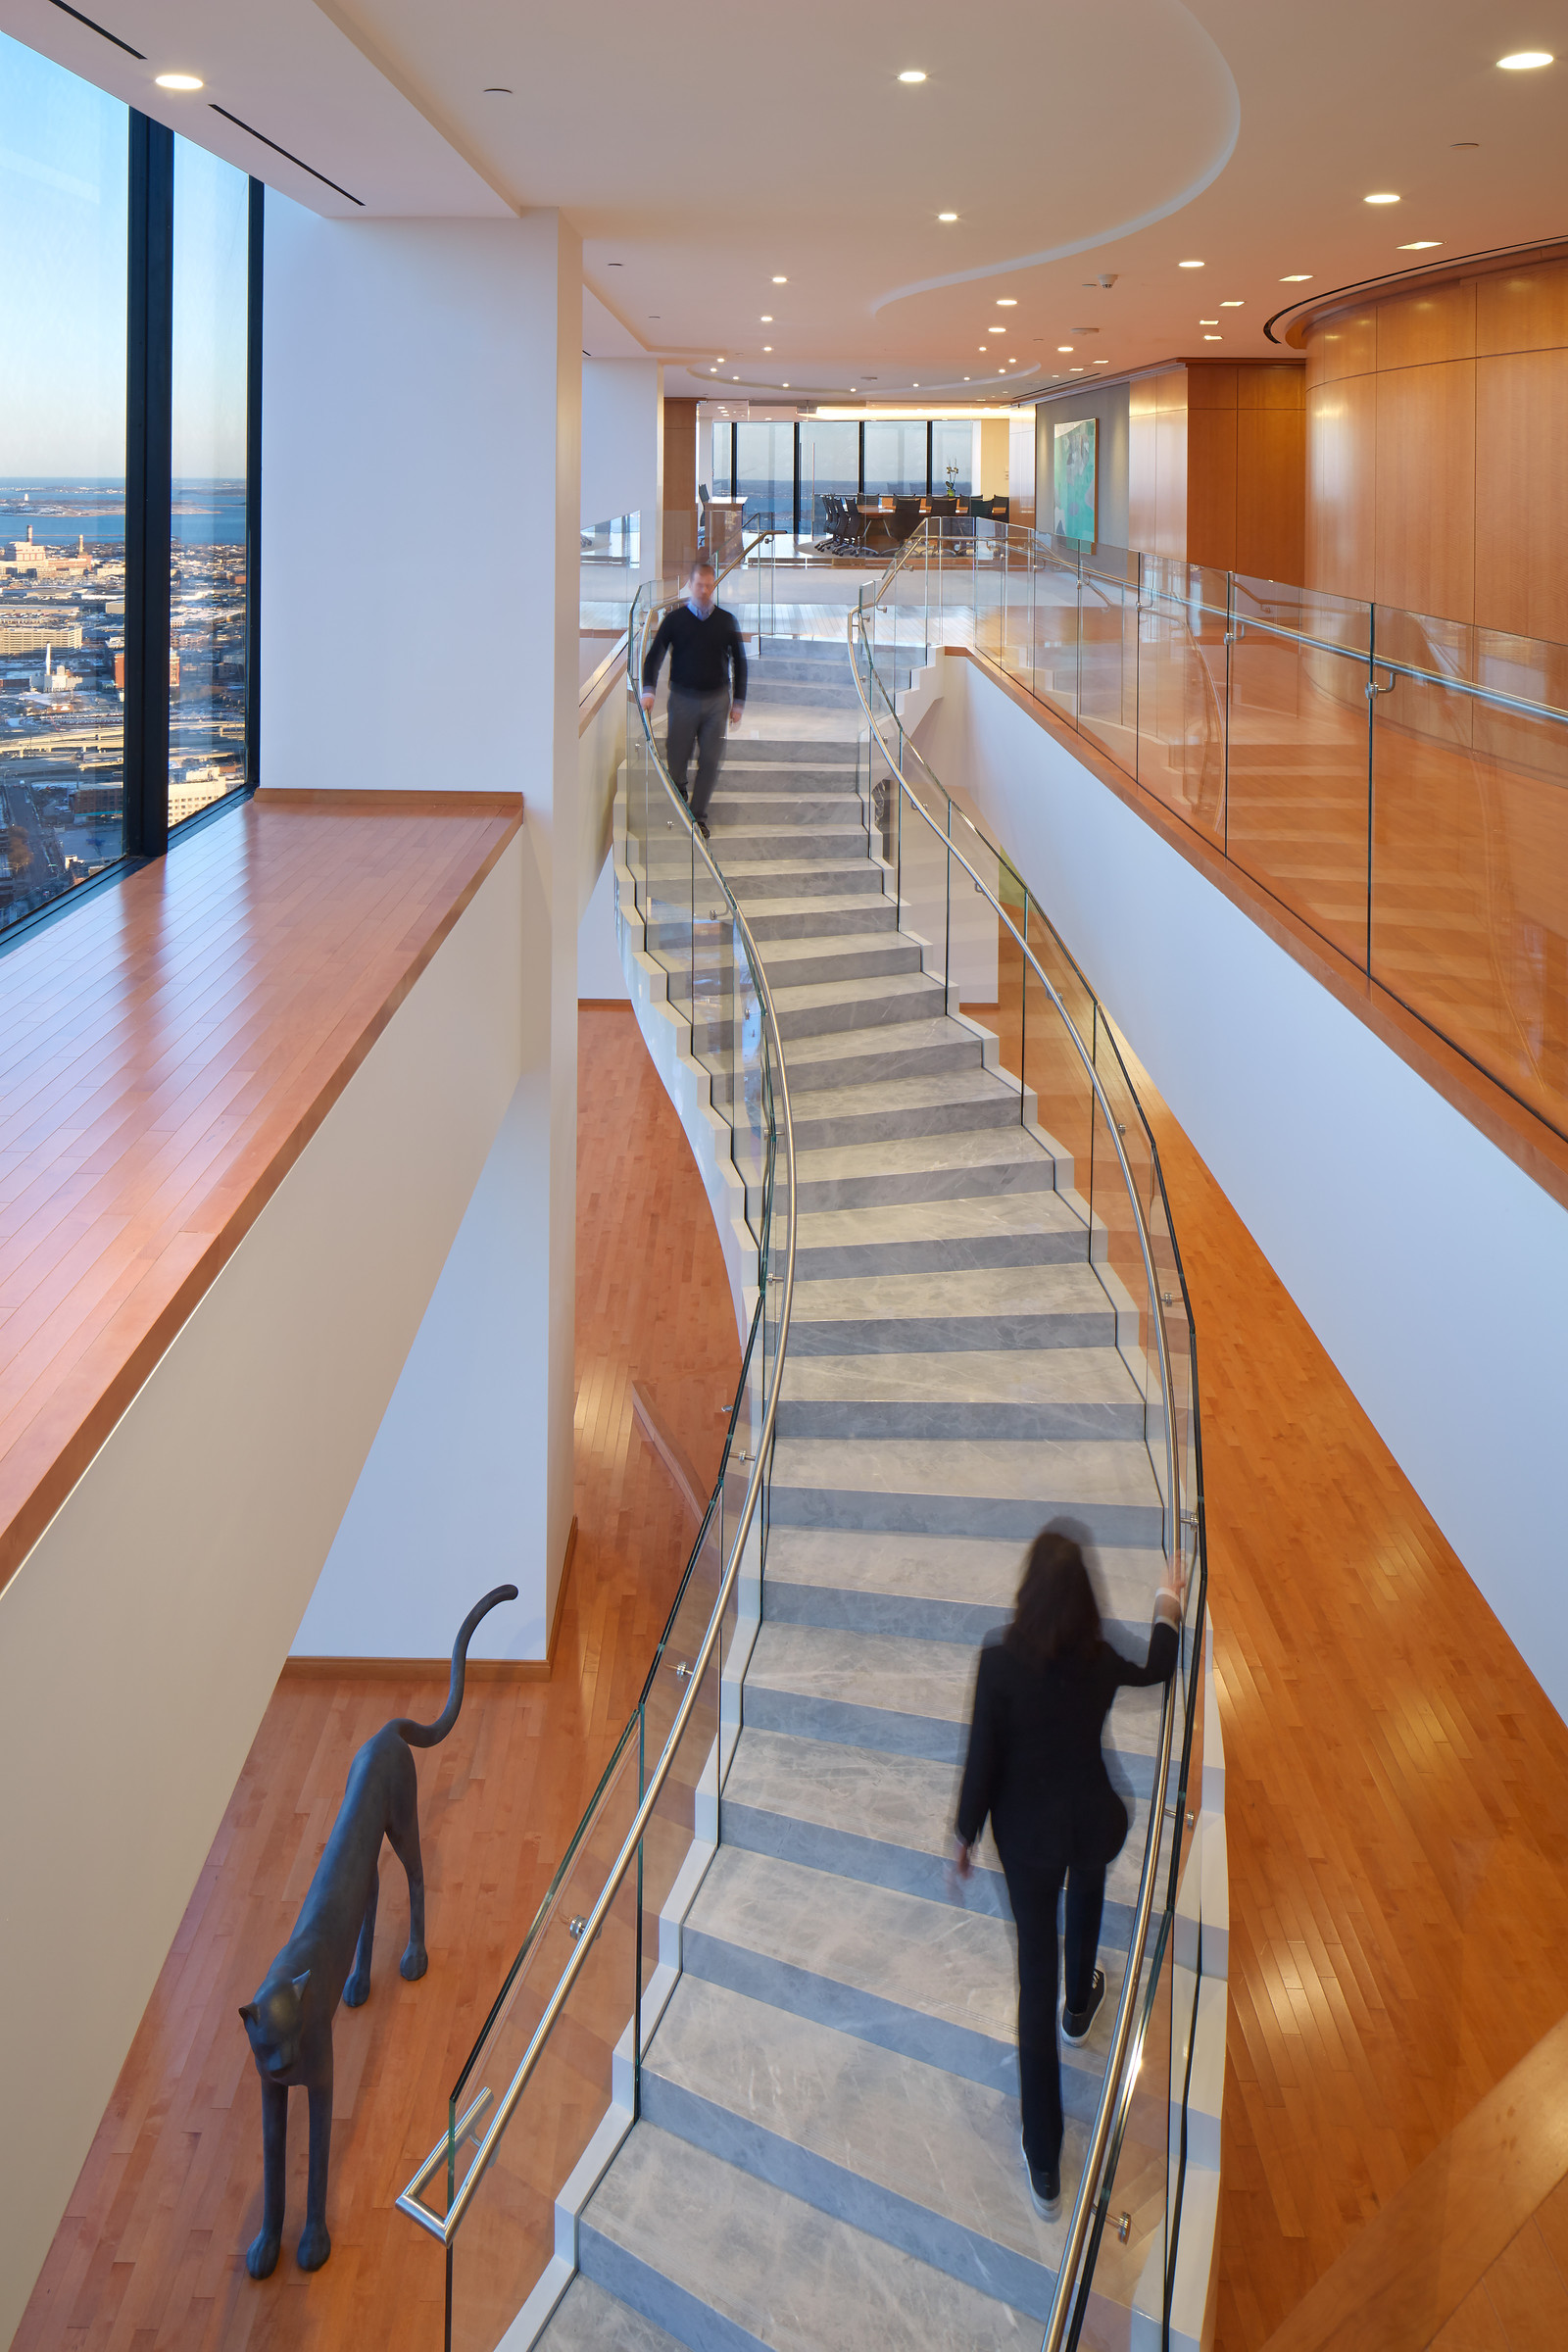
x: 1121, y: 2032
x: 446, y: 2227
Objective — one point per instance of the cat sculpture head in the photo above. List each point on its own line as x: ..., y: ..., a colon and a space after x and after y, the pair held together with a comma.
x: 274, y: 2022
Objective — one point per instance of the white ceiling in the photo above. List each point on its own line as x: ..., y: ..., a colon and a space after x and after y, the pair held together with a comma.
x: 701, y: 152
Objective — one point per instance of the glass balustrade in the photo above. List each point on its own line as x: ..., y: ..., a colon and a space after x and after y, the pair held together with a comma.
x: 551, y: 2085
x: 985, y: 939
x: 1394, y: 780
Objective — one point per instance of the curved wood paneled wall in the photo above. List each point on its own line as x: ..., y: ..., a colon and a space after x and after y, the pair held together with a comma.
x: 1437, y: 456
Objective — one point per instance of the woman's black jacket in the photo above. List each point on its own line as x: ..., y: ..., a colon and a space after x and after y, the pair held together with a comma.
x: 1035, y: 1763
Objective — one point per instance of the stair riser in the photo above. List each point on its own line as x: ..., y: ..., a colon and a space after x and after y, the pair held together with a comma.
x: 833, y: 2190
x: 820, y: 695
x: 829, y: 838
x: 940, y: 1422
x: 822, y: 1020
x: 868, y: 915
x: 931, y: 1334
x: 925, y: 1184
x: 962, y: 1622
x: 891, y: 1057
x: 1007, y: 1518
x: 755, y: 890
x: 659, y: 2299
x: 734, y: 810
x: 802, y: 1715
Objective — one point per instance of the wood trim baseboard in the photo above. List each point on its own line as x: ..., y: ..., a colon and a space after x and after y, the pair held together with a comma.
x: 374, y: 802
x: 1526, y: 1140
x: 605, y: 1005
x: 419, y: 1670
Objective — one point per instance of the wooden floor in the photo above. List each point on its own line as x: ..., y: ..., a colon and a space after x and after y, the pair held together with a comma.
x: 1396, y: 1806
x: 167, y: 1050
x: 150, y: 2252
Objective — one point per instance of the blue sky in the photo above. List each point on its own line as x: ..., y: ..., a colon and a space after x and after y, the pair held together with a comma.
x: 63, y: 164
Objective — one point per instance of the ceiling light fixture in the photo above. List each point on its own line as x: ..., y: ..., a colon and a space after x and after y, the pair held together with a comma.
x: 178, y: 81
x: 911, y: 73
x: 1421, y: 245
x: 1524, y: 61
x: 781, y: 282
x: 1064, y: 346
x: 1297, y: 277
x: 1007, y: 302
x: 1234, y: 303
x: 1189, y: 265
x: 767, y: 317
x: 1100, y: 363
x: 1384, y: 196
x: 1214, y: 338
x: 1208, y: 323
x: 946, y: 215
x: 1076, y: 371
x: 768, y: 346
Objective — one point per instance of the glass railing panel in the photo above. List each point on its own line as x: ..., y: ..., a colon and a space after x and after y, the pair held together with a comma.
x: 1470, y: 845
x: 986, y: 959
x: 1297, y: 760
x: 923, y: 879
x: 1120, y: 1200
x: 1059, y: 1098
x: 507, y: 2235
x: 1124, y: 2298
x: 1056, y: 632
x: 1107, y: 667
x: 1181, y: 689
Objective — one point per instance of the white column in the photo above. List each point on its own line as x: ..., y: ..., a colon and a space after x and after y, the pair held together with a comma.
x: 623, y: 449
x: 421, y: 476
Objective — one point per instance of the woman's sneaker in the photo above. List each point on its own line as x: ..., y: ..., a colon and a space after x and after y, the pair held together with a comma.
x: 1044, y: 2187
x: 1075, y: 2023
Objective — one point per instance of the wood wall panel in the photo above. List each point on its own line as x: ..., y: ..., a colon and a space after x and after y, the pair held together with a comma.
x: 1211, y: 482
x: 1271, y: 491
x: 1521, y: 493
x: 1170, y: 434
x: 1275, y: 385
x: 1523, y: 310
x: 1211, y: 387
x: 1343, y: 345
x: 1425, y: 466
x: 1418, y: 328
x: 1342, y: 473
x: 1143, y: 461
x: 681, y: 482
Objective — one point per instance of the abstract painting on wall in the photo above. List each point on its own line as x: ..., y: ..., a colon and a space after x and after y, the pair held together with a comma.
x: 1073, y: 480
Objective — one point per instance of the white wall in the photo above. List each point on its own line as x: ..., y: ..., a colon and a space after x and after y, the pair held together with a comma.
x: 623, y: 446
x: 1434, y: 1271
x: 599, y: 972
x: 164, y: 1595
x: 441, y: 654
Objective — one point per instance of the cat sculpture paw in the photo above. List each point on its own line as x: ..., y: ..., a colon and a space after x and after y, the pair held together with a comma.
x: 314, y: 2246
x: 413, y: 1963
x: 357, y: 1992
x: 261, y: 2255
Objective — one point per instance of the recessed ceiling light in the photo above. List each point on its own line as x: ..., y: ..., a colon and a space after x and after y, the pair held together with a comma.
x: 768, y: 346
x: 178, y: 81
x: 966, y: 379
x: 1007, y: 302
x: 911, y: 73
x: 713, y: 372
x: 1076, y: 371
x: 1208, y: 323
x: 1421, y: 245
x: 1065, y: 347
x: 1235, y: 303
x: 767, y: 317
x: 1524, y: 61
x: 1100, y: 363
x: 1214, y: 338
x: 1384, y: 196
x: 946, y: 215
x: 785, y: 387
x: 781, y: 282
x: 1189, y: 265
x: 1297, y: 277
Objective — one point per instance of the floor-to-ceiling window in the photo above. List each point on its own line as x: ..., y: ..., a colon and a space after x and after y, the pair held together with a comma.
x: 126, y: 505
x: 63, y: 238
x: 952, y: 458
x: 206, y: 669
x: 764, y: 474
x: 830, y: 468
x: 721, y: 441
x: 895, y: 459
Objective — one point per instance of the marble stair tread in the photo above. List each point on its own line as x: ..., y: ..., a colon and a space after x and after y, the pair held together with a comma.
x: 849, y: 1057
x: 882, y: 1820
x: 1020, y: 1394
x: 908, y: 2152
x: 969, y: 1486
x: 942, y: 1587
x: 936, y: 1167
x: 900, y: 1695
x: 934, y: 1981
x: 731, y: 2264
x: 955, y: 1308
x: 936, y: 1236
x: 936, y: 1103
x: 806, y: 918
x: 834, y: 1003
x: 588, y: 2318
x: 759, y: 882
x: 791, y: 962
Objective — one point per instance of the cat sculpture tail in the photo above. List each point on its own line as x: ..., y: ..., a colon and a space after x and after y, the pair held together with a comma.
x: 431, y: 1735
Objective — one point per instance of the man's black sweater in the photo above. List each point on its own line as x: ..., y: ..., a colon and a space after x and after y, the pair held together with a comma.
x: 705, y: 655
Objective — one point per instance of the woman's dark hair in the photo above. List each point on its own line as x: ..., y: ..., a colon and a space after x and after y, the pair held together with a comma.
x: 1056, y: 1614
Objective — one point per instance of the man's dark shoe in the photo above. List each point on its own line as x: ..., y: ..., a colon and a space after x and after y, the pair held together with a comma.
x: 1075, y: 2023
x: 1044, y: 2187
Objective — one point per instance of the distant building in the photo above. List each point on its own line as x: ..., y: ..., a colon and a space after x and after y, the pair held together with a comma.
x: 55, y: 684
x: 30, y: 554
x: 174, y: 672
x: 38, y: 633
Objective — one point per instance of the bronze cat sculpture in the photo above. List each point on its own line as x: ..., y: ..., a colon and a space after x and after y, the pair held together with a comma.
x: 290, y: 2020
